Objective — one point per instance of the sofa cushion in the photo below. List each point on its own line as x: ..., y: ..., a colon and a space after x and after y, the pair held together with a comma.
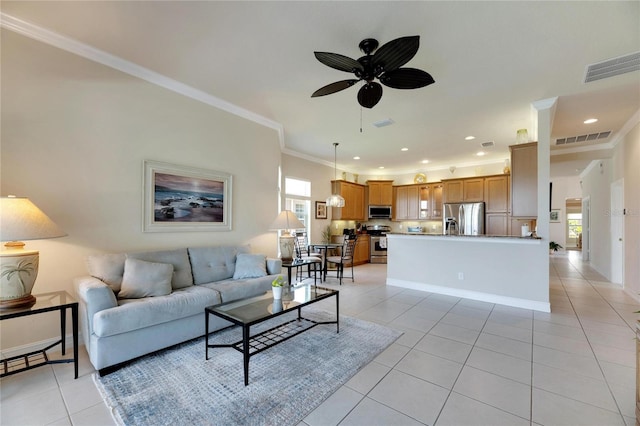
x: 178, y: 258
x: 211, y: 264
x: 239, y: 289
x: 250, y: 266
x: 134, y: 314
x: 145, y: 279
x: 108, y: 268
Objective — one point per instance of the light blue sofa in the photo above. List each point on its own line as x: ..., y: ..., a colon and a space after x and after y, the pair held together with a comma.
x: 116, y: 330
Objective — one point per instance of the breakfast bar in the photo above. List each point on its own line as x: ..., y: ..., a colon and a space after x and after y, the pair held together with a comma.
x: 507, y: 270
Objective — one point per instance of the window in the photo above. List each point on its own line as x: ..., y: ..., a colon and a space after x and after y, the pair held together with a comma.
x: 298, y: 200
x: 574, y: 226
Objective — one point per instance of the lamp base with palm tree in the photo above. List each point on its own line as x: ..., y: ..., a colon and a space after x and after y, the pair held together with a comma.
x: 18, y: 272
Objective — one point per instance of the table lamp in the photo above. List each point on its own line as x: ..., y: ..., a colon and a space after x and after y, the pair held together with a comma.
x: 287, y: 222
x: 20, y: 219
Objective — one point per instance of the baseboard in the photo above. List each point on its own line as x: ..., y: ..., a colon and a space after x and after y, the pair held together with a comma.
x: 474, y: 295
x: 35, y: 346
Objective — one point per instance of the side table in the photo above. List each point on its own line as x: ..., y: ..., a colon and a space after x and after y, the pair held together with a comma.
x: 46, y: 302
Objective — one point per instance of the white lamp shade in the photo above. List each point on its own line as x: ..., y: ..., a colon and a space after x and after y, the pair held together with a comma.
x: 286, y: 220
x: 20, y: 220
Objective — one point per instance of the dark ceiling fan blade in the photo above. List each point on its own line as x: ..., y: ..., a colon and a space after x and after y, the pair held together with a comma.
x: 334, y: 87
x: 396, y: 53
x: 369, y: 94
x: 339, y: 62
x: 406, y: 78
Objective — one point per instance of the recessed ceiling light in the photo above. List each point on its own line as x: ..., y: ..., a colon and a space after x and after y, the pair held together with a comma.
x: 590, y: 121
x: 381, y: 167
x: 480, y: 153
x: 404, y: 149
x: 469, y: 138
x: 424, y: 161
x: 356, y: 158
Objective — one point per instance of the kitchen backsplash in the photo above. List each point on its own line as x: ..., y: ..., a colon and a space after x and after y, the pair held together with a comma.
x: 430, y: 226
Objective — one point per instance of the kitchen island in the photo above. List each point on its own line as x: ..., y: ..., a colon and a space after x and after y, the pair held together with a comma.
x: 507, y: 270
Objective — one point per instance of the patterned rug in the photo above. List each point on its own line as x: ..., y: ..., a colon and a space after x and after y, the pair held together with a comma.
x: 286, y: 382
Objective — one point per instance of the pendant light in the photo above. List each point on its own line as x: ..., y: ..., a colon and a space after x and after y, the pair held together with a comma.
x: 336, y: 199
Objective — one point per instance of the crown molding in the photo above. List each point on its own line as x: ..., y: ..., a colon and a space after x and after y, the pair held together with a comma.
x: 86, y: 51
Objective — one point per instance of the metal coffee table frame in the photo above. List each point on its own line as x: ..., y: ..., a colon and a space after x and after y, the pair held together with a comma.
x: 252, y: 345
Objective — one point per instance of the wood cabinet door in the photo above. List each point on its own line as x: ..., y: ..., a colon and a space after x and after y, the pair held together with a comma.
x: 473, y: 190
x: 361, y: 254
x: 380, y: 193
x: 496, y: 194
x: 497, y: 224
x: 358, y: 202
x: 436, y: 201
x: 452, y: 192
x: 524, y: 180
x: 425, y: 201
x: 413, y: 202
x: 401, y: 204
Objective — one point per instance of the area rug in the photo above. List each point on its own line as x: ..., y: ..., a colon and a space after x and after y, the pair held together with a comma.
x: 286, y: 382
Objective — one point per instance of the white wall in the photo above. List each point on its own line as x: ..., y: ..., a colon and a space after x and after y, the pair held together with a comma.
x: 320, y: 177
x: 74, y: 137
x: 630, y: 153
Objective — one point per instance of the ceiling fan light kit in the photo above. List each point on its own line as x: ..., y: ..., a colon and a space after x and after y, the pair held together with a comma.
x: 383, y: 65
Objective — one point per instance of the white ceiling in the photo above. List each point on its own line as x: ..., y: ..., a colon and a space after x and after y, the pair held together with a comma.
x: 490, y: 61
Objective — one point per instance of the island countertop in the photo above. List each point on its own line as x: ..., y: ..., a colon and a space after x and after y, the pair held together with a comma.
x: 431, y: 234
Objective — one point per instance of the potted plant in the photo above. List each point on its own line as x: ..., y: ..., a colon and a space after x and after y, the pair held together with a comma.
x: 276, y: 287
x: 553, y: 246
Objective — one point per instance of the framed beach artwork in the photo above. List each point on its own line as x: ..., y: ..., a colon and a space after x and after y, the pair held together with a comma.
x: 554, y: 216
x: 321, y: 210
x: 182, y: 198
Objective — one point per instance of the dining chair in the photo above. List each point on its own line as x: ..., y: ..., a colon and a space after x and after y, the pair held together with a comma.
x: 345, y: 257
x: 302, y: 252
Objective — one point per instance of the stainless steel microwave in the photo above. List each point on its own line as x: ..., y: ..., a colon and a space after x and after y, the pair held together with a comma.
x: 379, y: 212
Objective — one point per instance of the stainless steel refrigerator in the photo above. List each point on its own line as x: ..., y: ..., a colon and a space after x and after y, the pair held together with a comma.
x: 463, y: 219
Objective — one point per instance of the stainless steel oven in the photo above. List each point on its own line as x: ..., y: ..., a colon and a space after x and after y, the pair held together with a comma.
x: 378, y: 245
x: 378, y: 249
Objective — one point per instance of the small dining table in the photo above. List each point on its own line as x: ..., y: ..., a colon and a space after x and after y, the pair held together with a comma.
x: 324, y: 247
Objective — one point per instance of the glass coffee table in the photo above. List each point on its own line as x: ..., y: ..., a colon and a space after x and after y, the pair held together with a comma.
x: 255, y: 310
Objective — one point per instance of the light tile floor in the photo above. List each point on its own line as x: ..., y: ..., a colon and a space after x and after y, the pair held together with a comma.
x: 459, y: 361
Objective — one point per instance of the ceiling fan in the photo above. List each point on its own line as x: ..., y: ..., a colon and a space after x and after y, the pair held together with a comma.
x: 384, y: 65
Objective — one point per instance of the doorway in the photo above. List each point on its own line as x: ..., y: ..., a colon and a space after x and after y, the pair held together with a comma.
x: 573, y: 231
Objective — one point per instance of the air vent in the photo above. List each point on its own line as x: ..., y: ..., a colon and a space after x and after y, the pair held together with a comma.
x: 583, y: 138
x: 613, y: 67
x: 383, y: 123
x: 487, y: 144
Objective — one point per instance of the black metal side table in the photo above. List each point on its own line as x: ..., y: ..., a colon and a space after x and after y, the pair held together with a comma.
x: 46, y: 302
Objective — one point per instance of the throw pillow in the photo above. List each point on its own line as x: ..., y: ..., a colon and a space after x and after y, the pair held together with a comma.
x: 250, y: 266
x: 145, y: 279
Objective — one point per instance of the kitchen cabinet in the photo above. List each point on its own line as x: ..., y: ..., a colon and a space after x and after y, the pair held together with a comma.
x: 380, y: 192
x: 524, y: 180
x: 496, y: 224
x: 473, y: 190
x: 407, y: 202
x: 496, y: 194
x: 430, y: 201
x: 463, y: 190
x: 453, y: 192
x: 361, y: 254
x: 353, y: 195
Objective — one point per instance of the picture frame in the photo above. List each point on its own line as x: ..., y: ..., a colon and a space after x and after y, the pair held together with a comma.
x: 185, y: 199
x: 321, y: 210
x: 554, y: 216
